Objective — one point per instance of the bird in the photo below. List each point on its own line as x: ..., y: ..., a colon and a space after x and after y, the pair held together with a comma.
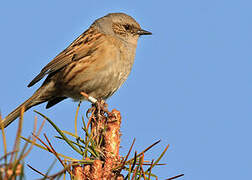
x: 97, y: 62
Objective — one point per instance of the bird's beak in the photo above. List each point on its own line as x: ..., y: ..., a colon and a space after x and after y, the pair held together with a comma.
x: 143, y: 32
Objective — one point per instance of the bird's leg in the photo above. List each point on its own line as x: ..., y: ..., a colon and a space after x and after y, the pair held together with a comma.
x: 89, y: 98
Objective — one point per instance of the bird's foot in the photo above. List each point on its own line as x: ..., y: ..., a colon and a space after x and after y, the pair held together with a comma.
x: 102, y: 106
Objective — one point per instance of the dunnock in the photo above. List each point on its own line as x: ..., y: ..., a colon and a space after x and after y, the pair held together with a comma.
x: 97, y: 63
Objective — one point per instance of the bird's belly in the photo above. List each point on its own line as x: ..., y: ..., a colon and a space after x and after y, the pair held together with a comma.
x: 101, y: 84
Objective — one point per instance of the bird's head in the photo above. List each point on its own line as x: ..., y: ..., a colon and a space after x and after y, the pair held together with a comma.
x: 122, y: 26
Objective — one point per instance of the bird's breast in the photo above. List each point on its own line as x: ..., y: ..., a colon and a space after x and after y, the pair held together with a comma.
x: 100, y: 74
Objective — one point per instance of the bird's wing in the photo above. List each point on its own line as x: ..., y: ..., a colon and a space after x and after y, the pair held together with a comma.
x: 79, y: 48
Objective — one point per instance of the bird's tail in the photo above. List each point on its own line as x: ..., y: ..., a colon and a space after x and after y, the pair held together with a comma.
x: 35, y: 99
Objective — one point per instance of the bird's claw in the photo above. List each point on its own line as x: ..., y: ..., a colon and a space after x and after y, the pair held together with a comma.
x: 102, y: 106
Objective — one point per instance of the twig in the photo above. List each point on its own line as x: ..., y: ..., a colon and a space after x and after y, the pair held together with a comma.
x: 126, y: 158
x: 55, y: 153
x: 47, y: 147
x: 75, y: 119
x: 151, y: 168
x: 141, y: 166
x: 33, y: 141
x: 175, y: 177
x: 37, y: 171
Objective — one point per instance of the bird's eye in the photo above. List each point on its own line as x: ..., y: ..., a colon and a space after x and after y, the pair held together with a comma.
x: 127, y: 27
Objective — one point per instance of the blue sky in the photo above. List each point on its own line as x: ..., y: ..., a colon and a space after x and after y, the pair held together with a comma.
x: 190, y: 85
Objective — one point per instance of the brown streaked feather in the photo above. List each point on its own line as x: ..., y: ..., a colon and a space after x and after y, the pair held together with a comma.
x: 81, y: 45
